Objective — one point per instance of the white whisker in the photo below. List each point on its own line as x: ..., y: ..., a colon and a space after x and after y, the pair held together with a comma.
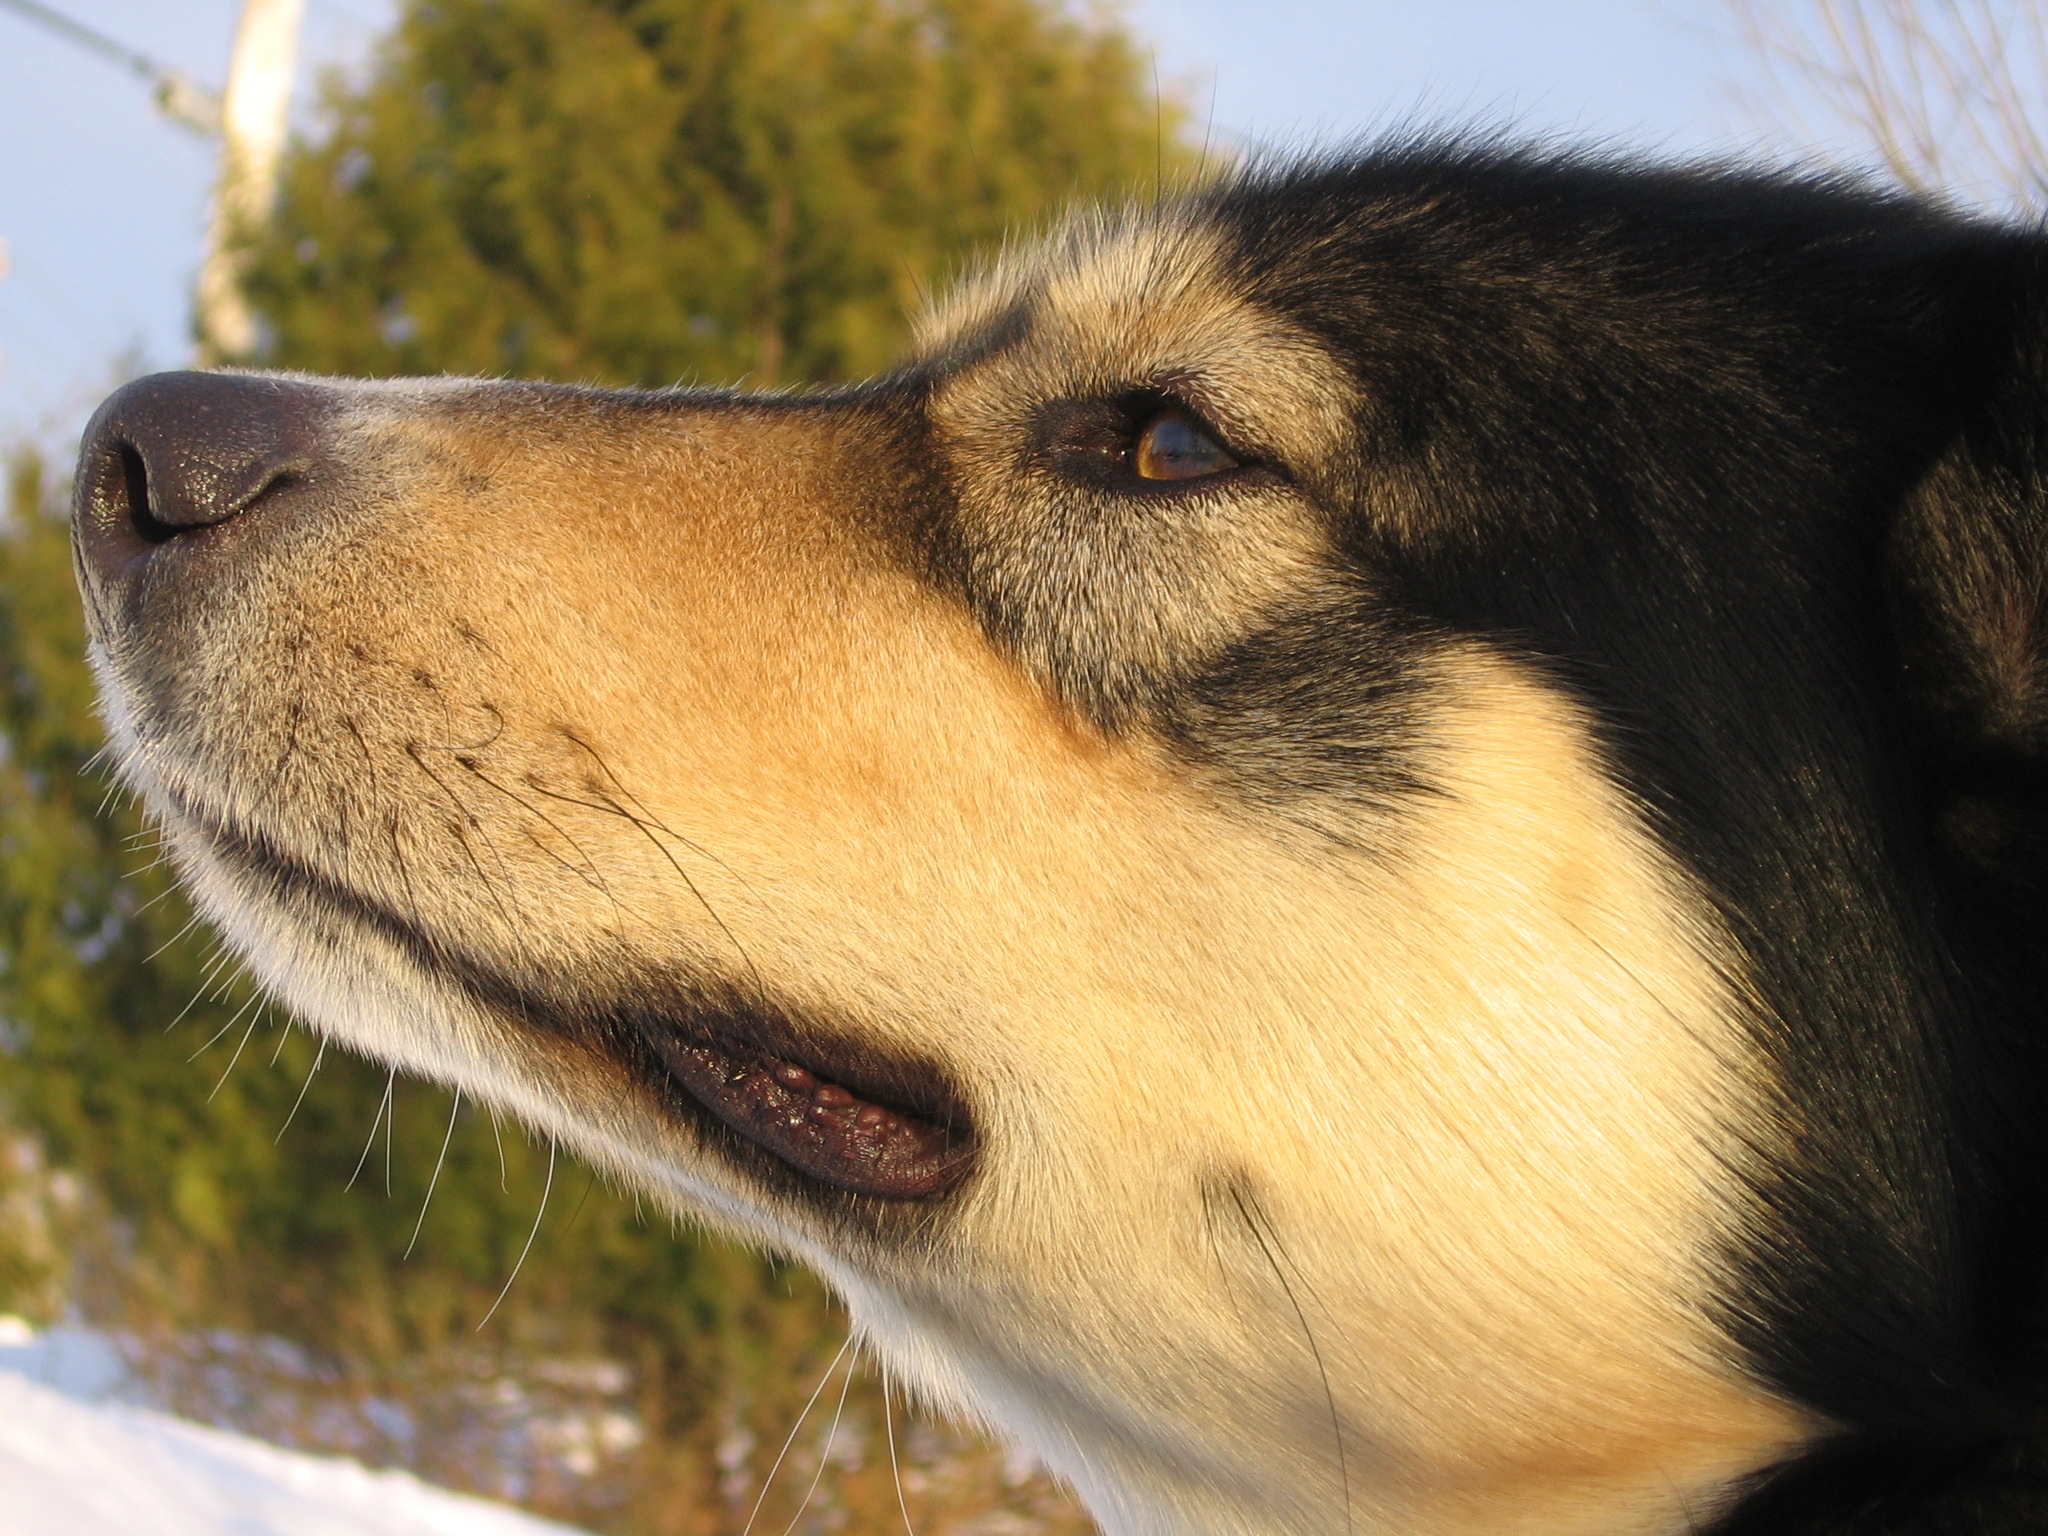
x: 794, y: 1430
x: 446, y: 1137
x: 319, y: 1055
x: 895, y: 1471
x: 546, y: 1190
x: 254, y: 1019
x: 824, y: 1451
x: 368, y: 1146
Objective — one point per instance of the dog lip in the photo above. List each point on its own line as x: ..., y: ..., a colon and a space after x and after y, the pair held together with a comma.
x: 865, y: 1139
x: 842, y: 1116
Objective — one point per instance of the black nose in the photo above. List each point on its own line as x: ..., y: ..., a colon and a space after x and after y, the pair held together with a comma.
x: 176, y: 452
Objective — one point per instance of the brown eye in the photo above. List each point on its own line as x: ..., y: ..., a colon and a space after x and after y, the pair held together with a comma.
x: 1173, y: 447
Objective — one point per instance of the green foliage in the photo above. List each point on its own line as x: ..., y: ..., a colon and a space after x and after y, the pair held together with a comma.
x: 170, y: 1096
x: 642, y: 191
x: 252, y: 1231
x: 631, y: 191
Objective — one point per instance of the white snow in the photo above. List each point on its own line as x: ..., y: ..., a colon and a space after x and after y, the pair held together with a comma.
x: 73, y: 1468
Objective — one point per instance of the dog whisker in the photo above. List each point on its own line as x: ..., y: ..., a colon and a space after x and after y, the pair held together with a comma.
x: 486, y: 743
x: 519, y: 1263
x: 233, y: 1019
x: 319, y: 1055
x: 619, y: 798
x: 399, y: 864
x: 154, y: 864
x: 447, y: 1136
x: 824, y: 1447
x: 889, y: 1435
x: 229, y: 1071
x: 498, y: 1136
x: 164, y: 895
x: 466, y: 821
x: 789, y: 1440
x: 592, y: 875
x: 294, y: 718
x: 646, y: 830
x: 217, y: 958
x: 383, y: 1107
x: 576, y: 1211
x: 1260, y: 1236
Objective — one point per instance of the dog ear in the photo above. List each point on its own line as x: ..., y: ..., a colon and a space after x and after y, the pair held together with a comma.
x: 1968, y: 563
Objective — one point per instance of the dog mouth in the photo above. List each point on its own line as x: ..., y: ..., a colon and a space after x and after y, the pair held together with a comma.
x: 839, y: 1112
x: 871, y: 1128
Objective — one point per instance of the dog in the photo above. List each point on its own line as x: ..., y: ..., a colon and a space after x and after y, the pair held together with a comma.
x: 1367, y: 857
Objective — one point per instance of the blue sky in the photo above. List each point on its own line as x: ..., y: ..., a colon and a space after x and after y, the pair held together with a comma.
x: 102, y: 201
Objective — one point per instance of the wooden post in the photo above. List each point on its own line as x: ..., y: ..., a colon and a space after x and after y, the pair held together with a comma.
x: 254, y: 122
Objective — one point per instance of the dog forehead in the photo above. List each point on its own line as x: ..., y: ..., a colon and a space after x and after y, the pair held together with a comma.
x: 1152, y: 300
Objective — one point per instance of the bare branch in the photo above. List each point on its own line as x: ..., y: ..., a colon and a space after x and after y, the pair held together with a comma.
x: 1947, y: 96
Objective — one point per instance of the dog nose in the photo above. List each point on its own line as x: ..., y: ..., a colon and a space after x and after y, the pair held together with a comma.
x: 178, y: 452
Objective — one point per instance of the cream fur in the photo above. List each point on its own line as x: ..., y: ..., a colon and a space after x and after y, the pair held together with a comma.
x: 1309, y: 1175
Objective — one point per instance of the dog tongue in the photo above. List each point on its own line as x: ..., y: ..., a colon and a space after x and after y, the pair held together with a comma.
x: 817, y: 1126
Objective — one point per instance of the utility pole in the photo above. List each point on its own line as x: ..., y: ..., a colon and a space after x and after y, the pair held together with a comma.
x: 253, y: 123
x: 178, y: 96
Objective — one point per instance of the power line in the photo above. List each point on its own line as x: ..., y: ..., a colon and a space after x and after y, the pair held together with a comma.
x: 79, y: 33
x: 178, y: 96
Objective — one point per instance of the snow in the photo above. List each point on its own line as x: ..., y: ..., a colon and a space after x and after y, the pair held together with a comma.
x: 78, y: 1362
x: 75, y: 1468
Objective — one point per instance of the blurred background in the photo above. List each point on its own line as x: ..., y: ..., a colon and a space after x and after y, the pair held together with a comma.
x: 201, y: 1209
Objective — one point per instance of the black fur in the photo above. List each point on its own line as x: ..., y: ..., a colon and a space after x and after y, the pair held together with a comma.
x: 1753, y: 466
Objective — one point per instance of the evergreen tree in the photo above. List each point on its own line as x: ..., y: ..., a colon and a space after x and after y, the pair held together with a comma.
x: 647, y: 191
x: 626, y: 191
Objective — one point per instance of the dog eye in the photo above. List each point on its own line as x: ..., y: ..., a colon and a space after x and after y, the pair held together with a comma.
x: 1173, y: 446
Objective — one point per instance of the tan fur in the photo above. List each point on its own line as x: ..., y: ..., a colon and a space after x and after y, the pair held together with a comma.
x: 1306, y: 1171
x: 1147, y: 304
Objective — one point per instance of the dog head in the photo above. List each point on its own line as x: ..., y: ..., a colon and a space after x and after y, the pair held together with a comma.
x: 1364, y: 857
